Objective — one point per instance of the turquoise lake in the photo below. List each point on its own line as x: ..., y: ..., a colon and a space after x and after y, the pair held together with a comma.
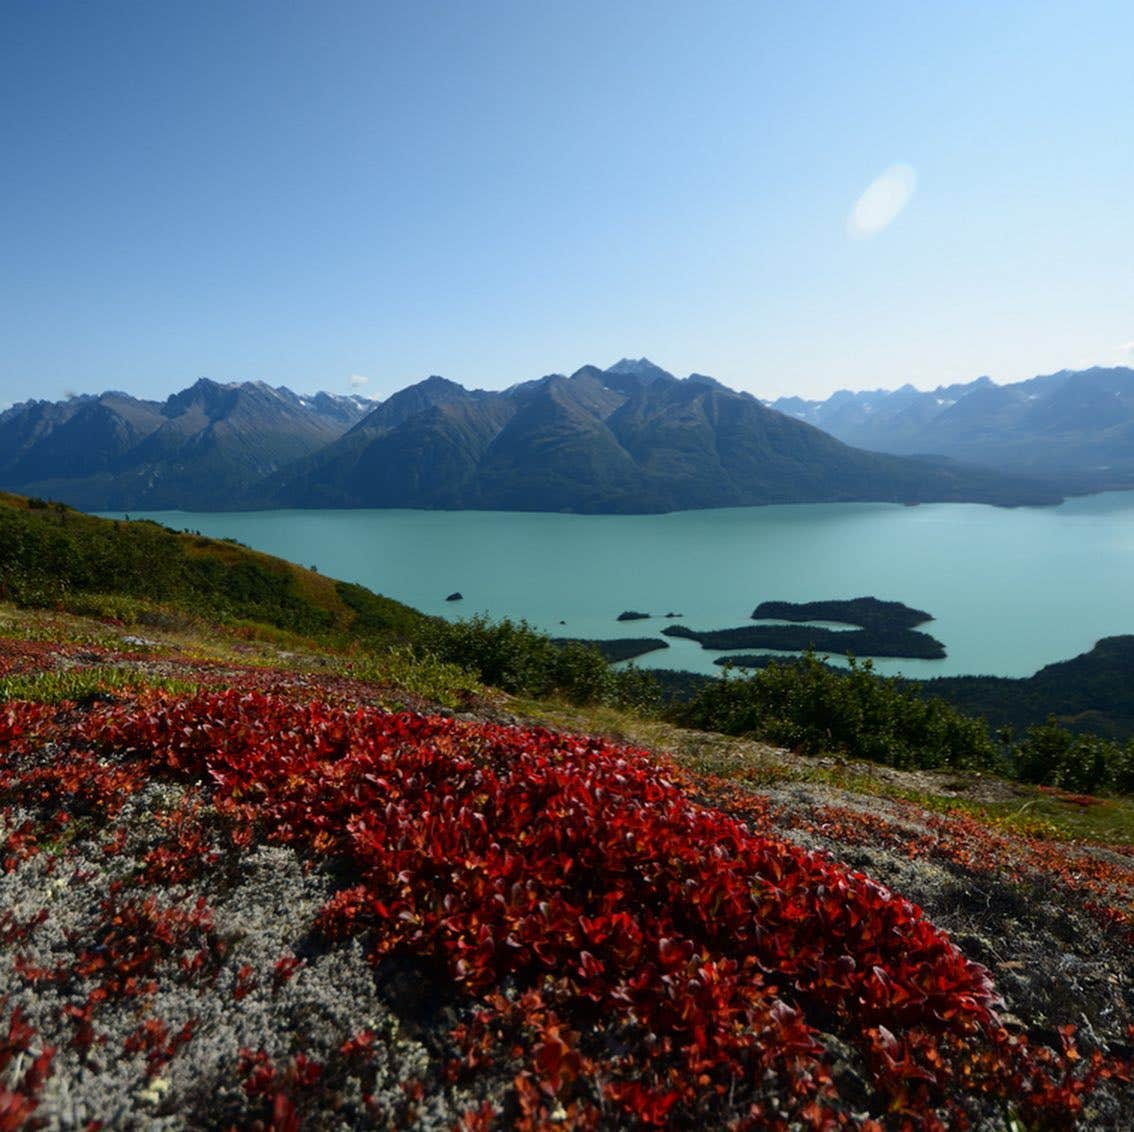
x: 1010, y: 590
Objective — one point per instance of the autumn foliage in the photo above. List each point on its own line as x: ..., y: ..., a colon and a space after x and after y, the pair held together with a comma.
x: 634, y: 956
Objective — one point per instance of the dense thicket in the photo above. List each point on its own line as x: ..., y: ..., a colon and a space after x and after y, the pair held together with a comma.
x: 811, y: 707
x: 515, y: 657
x: 1053, y: 756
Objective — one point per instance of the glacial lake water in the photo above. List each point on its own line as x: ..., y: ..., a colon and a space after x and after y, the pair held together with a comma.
x: 1010, y: 589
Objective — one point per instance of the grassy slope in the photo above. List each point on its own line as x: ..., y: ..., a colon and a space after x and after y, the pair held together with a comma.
x: 52, y: 555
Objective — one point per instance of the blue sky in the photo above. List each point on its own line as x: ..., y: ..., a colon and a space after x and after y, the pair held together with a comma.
x: 304, y: 192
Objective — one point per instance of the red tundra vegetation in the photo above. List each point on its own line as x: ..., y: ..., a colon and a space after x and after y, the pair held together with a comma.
x: 573, y: 930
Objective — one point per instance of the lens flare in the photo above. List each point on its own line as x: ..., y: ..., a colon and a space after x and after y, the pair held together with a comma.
x: 884, y: 199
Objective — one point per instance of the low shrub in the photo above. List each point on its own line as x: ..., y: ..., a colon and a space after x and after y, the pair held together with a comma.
x: 420, y: 674
x: 83, y: 684
x: 1049, y: 755
x: 813, y: 708
x: 513, y: 656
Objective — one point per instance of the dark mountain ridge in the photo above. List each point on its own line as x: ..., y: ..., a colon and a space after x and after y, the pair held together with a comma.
x: 212, y: 440
x: 1090, y: 693
x: 632, y: 438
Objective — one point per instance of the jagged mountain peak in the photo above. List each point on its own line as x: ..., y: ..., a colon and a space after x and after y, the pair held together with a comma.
x: 705, y: 379
x: 639, y: 367
x: 406, y: 403
x: 588, y: 371
x: 436, y: 381
x: 211, y: 397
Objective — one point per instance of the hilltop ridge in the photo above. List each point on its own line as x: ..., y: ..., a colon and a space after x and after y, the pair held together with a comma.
x: 211, y: 440
x: 630, y: 438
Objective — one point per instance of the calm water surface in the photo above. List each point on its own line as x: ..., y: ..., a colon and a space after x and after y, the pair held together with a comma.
x: 1010, y: 590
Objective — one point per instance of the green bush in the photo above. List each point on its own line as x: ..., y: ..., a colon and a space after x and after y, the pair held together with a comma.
x: 504, y: 654
x: 517, y: 658
x: 636, y: 690
x: 810, y: 707
x: 1052, y: 756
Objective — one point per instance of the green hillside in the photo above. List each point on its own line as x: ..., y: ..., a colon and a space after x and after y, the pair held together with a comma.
x: 141, y: 573
x: 53, y: 555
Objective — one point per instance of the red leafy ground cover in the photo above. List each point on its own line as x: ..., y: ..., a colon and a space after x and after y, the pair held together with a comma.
x: 31, y: 656
x: 1103, y: 885
x: 629, y: 956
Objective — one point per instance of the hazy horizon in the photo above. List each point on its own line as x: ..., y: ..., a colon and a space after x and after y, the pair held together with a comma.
x: 794, y: 200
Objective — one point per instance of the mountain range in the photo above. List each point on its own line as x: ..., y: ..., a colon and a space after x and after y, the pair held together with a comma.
x: 206, y: 444
x: 1074, y: 427
x: 630, y: 438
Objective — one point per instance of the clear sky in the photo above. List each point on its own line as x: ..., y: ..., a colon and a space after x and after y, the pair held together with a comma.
x: 792, y: 197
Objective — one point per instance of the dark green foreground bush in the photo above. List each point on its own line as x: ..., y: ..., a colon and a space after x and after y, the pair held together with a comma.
x: 813, y: 708
x: 515, y: 657
x: 1051, y: 756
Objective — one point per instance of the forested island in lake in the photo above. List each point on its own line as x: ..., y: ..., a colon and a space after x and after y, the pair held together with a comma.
x: 883, y: 629
x: 866, y: 612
